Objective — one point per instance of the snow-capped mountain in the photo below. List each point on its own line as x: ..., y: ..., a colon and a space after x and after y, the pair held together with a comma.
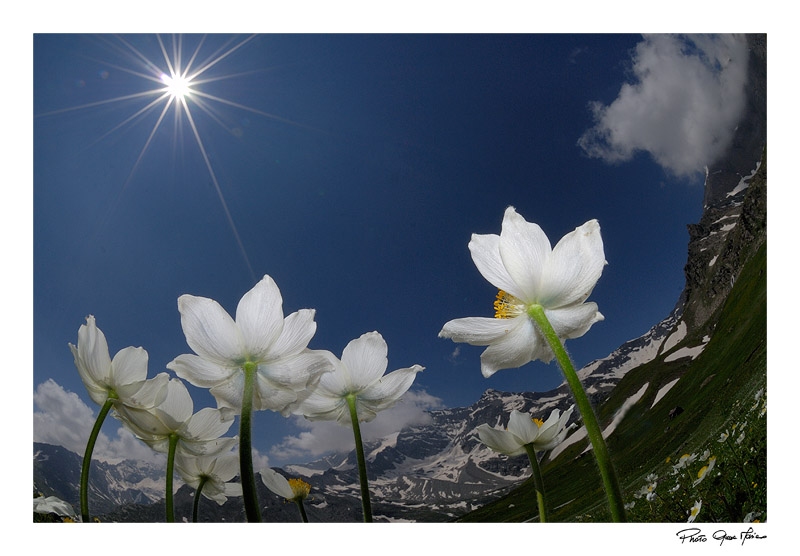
x: 56, y: 472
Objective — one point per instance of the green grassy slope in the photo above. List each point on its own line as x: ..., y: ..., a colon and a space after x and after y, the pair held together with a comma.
x: 716, y: 390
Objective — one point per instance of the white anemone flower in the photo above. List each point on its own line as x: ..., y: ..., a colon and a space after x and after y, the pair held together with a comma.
x: 694, y: 511
x: 198, y: 433
x: 360, y: 374
x: 215, y: 472
x: 523, y: 430
x: 54, y: 505
x: 522, y: 265
x: 259, y: 336
x: 293, y: 490
x: 124, y: 378
x: 705, y: 470
x: 685, y: 461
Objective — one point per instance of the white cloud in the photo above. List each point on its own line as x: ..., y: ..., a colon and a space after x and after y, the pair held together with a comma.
x: 682, y: 107
x: 64, y: 420
x: 321, y: 437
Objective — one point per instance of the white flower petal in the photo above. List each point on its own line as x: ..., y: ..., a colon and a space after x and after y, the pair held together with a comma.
x: 201, y: 373
x: 210, y: 331
x: 298, y: 329
x: 259, y: 317
x: 176, y: 408
x: 228, y: 393
x: 476, y: 331
x: 206, y: 447
x: 554, y: 433
x: 524, y: 250
x: 574, y: 267
x: 485, y: 251
x: 52, y: 504
x: 317, y: 407
x: 277, y: 483
x: 232, y: 489
x: 128, y: 366
x: 269, y: 395
x: 520, y: 346
x: 575, y: 321
x: 500, y: 440
x: 298, y: 371
x: 226, y: 467
x: 365, y: 359
x: 145, y: 394
x: 337, y: 383
x: 206, y: 424
x: 93, y: 352
x: 144, y: 424
x: 384, y: 392
x: 523, y: 427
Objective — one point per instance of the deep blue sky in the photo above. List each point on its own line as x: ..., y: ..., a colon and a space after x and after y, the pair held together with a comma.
x: 359, y: 198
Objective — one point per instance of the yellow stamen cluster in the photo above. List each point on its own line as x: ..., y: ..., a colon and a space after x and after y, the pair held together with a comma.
x: 538, y: 422
x: 300, y: 488
x: 505, y: 307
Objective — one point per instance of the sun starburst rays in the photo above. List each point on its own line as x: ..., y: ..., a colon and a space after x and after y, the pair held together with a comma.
x: 178, y: 88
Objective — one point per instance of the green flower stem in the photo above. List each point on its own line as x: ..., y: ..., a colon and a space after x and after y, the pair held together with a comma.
x: 197, y: 492
x: 537, y: 482
x: 362, y: 464
x: 245, y: 446
x: 173, y: 444
x: 302, y: 509
x: 536, y: 312
x: 87, y: 455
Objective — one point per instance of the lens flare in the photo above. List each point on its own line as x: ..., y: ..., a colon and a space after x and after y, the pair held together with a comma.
x: 177, y: 86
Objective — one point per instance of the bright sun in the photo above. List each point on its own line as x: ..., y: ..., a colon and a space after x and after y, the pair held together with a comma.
x: 177, y: 86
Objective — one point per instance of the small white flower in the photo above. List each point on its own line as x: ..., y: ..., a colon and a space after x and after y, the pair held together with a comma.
x: 215, y: 472
x: 291, y: 489
x: 522, y: 265
x: 523, y: 430
x: 751, y: 516
x: 723, y: 437
x: 694, y: 511
x: 705, y: 470
x: 54, y: 505
x: 360, y: 373
x: 685, y: 461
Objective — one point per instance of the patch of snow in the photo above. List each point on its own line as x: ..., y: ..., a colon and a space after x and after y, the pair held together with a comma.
x: 663, y: 390
x: 718, y: 220
x: 386, y: 442
x: 728, y: 227
x: 745, y: 181
x: 712, y: 261
x: 303, y: 471
x: 395, y: 519
x: 675, y: 337
x: 692, y: 352
x: 626, y: 405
